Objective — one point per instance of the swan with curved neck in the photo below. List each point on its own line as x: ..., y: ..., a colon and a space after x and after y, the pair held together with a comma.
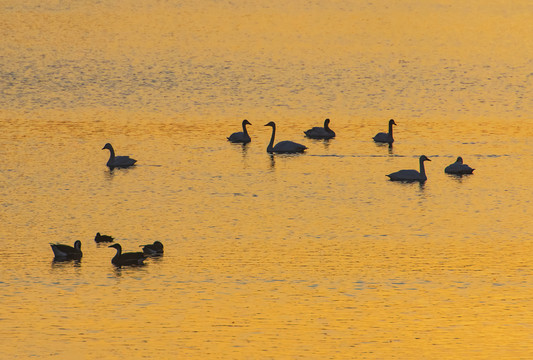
x: 117, y: 161
x: 66, y: 252
x: 458, y: 168
x: 129, y: 258
x: 320, y: 132
x: 385, y: 137
x: 241, y: 136
x: 283, y: 147
x: 411, y: 175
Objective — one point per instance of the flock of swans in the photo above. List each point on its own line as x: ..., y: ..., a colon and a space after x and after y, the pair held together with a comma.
x: 326, y: 133
x: 67, y: 252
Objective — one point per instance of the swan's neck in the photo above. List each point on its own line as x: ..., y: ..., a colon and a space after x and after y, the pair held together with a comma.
x: 111, y: 153
x: 244, y: 129
x: 326, y: 127
x: 117, y: 255
x: 422, y: 168
x: 390, y: 129
x: 271, y: 144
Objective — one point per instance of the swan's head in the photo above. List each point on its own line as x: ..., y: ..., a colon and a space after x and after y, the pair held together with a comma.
x: 116, y: 246
x: 246, y: 122
x: 77, y: 244
x: 107, y: 146
x: 326, y: 122
x: 424, y: 158
x: 391, y: 122
x: 271, y: 124
x: 459, y: 160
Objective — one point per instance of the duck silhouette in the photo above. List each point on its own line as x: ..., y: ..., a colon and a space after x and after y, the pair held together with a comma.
x: 67, y: 252
x: 153, y: 249
x: 129, y: 258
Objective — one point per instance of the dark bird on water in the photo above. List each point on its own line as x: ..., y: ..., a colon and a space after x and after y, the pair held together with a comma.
x: 318, y: 132
x: 117, y: 161
x: 153, y: 249
x: 458, y: 168
x: 66, y: 252
x: 283, y: 147
x: 411, y: 175
x: 103, y: 238
x: 241, y: 136
x: 129, y: 258
x: 385, y: 137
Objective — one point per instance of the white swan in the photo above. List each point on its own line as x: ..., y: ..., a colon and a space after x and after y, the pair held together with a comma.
x: 385, y: 137
x: 286, y: 146
x: 320, y: 132
x: 241, y: 136
x: 458, y: 168
x: 411, y: 175
x: 117, y: 161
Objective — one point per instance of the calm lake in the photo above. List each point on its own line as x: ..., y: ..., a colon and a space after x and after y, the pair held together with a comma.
x: 314, y: 256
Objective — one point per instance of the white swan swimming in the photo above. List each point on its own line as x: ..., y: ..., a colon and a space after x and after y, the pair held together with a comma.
x: 241, y: 136
x: 385, y: 137
x: 411, y: 175
x: 320, y: 132
x: 286, y: 146
x: 117, y: 161
x: 458, y: 168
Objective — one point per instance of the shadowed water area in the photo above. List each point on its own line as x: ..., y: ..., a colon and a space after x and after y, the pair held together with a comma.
x: 316, y: 255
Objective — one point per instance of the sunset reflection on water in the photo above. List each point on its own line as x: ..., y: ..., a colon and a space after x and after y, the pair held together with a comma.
x: 315, y: 255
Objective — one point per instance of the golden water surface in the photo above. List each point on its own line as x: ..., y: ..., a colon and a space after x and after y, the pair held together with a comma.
x: 309, y: 256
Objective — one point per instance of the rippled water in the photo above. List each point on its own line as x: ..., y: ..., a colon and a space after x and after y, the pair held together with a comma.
x: 288, y: 256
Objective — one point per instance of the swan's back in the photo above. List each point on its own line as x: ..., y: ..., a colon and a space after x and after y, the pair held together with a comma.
x: 121, y: 161
x: 288, y: 147
x: 239, y: 137
x: 130, y: 258
x: 458, y: 169
x: 407, y: 175
x: 383, y: 137
x: 319, y: 133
